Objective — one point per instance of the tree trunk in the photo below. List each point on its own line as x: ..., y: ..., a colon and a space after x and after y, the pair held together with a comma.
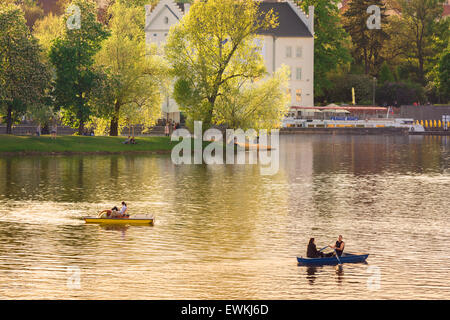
x: 366, y: 62
x: 114, y: 127
x: 9, y: 120
x: 81, y: 127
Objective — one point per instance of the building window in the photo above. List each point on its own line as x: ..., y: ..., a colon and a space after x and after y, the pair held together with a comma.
x: 288, y: 52
x: 298, y: 74
x: 155, y: 35
x: 299, y: 52
x: 298, y: 95
x: 289, y: 94
x: 166, y: 20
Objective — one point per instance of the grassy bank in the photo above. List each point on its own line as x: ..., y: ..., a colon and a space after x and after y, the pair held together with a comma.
x: 81, y: 144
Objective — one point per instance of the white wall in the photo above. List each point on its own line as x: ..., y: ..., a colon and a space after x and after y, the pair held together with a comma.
x: 275, y: 55
x: 158, y: 23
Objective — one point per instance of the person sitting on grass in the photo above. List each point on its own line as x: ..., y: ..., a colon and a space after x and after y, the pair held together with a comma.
x: 127, y: 141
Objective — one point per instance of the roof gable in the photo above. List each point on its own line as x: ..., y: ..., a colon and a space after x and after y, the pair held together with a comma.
x: 163, y: 6
x: 290, y: 23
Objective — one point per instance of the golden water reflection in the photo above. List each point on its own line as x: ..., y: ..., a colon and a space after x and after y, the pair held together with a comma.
x: 226, y: 232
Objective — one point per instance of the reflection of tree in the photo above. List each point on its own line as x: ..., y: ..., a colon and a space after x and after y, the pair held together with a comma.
x: 220, y: 207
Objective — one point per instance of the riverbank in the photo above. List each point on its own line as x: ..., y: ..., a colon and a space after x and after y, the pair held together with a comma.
x: 67, y: 145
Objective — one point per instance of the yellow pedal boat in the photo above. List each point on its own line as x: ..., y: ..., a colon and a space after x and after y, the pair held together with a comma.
x: 134, y: 220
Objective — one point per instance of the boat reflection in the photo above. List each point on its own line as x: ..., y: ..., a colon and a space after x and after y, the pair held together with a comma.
x: 114, y: 227
x: 311, y: 274
x: 340, y: 273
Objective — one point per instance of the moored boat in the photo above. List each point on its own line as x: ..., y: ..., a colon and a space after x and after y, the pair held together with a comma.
x: 134, y: 220
x: 345, y: 258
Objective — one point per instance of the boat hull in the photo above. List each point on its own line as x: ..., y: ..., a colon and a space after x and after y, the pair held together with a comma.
x: 345, y: 258
x: 133, y: 221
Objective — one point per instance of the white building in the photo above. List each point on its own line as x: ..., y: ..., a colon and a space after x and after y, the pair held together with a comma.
x: 291, y: 43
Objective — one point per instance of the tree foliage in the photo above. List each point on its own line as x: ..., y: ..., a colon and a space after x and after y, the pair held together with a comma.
x: 72, y: 56
x: 23, y: 77
x: 367, y: 43
x: 215, y: 53
x: 134, y: 73
x: 419, y: 34
x: 330, y: 49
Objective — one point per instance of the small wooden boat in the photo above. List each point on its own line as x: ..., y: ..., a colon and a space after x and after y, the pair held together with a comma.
x: 134, y: 220
x: 345, y: 258
x: 252, y: 146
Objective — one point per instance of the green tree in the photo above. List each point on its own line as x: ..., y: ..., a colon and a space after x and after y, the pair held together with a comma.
x: 417, y: 31
x: 23, y: 77
x: 385, y: 74
x: 367, y: 43
x: 213, y: 51
x: 330, y: 50
x: 134, y: 73
x: 444, y: 76
x: 72, y: 55
x: 48, y: 29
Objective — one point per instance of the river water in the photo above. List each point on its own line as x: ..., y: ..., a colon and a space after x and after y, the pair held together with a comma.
x: 228, y: 232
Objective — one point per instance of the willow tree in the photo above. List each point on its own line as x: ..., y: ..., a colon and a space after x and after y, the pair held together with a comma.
x: 134, y: 71
x: 216, y: 56
x: 23, y: 77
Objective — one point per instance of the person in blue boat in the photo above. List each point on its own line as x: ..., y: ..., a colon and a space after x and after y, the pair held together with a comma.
x: 312, y: 251
x: 339, y: 246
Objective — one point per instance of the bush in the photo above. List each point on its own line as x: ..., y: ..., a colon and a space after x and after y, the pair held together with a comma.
x: 343, y: 84
x: 399, y: 93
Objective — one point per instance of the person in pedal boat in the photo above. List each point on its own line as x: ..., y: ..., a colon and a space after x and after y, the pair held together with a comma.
x: 339, y: 246
x: 114, y: 212
x: 312, y: 251
x: 123, y: 211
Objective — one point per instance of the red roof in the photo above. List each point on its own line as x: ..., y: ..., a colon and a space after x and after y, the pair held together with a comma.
x: 446, y: 10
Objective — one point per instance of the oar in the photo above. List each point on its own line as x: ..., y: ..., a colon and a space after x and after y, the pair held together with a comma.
x: 323, y: 249
x: 339, y: 260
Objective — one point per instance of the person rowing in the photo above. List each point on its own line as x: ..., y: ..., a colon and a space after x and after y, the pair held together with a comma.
x: 339, y: 246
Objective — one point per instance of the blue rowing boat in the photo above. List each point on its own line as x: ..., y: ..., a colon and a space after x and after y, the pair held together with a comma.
x: 345, y: 258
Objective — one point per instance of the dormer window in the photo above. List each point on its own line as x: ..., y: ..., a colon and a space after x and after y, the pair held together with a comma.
x: 166, y: 20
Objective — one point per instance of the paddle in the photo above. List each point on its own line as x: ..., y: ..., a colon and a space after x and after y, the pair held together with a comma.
x: 323, y: 249
x: 339, y: 260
